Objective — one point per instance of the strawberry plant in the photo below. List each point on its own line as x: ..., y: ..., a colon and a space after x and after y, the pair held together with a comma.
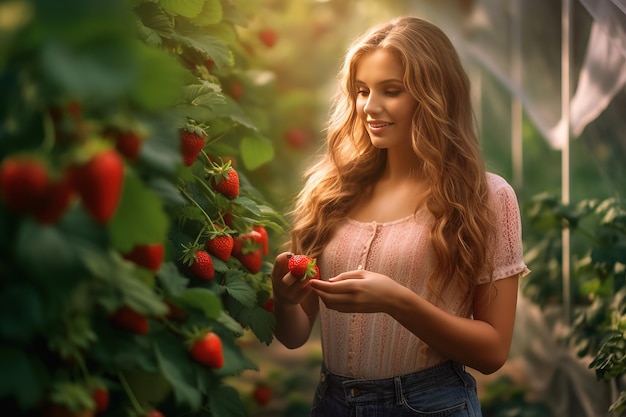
x: 598, y: 290
x: 116, y: 123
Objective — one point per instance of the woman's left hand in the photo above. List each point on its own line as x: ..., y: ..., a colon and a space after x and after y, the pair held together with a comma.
x: 357, y: 291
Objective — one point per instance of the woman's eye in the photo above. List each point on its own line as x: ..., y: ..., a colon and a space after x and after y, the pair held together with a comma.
x: 392, y: 93
x: 362, y: 92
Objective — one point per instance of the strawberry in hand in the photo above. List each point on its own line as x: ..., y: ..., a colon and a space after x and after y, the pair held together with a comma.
x: 303, y: 267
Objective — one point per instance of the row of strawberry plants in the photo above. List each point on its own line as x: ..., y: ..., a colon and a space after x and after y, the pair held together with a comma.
x: 598, y: 281
x: 133, y: 249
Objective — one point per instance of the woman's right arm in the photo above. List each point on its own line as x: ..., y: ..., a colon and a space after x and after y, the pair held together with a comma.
x: 295, y: 305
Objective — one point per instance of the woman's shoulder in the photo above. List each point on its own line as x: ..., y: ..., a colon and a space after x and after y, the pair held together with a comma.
x: 496, y: 182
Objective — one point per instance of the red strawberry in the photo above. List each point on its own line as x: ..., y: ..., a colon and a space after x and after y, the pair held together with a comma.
x: 128, y: 144
x: 174, y: 312
x: 268, y: 305
x: 23, y: 183
x: 220, y: 246
x: 262, y: 238
x: 262, y: 394
x: 268, y: 37
x: 236, y: 90
x: 127, y: 318
x: 252, y: 261
x: 297, y: 138
x: 191, y: 144
x: 101, y: 398
x: 202, y: 266
x: 55, y: 201
x: 148, y: 256
x: 209, y: 64
x: 226, y: 182
x: 99, y: 184
x: 303, y: 267
x: 208, y: 350
x: 154, y: 413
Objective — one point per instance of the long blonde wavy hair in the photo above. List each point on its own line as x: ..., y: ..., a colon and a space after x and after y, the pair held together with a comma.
x: 443, y: 138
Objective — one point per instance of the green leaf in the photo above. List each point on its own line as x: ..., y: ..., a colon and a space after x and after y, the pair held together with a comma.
x: 208, y: 46
x: 140, y: 217
x: 231, y: 324
x: 22, y: 377
x: 239, y: 289
x: 171, y: 280
x: 224, y: 31
x: 186, y: 8
x: 262, y: 324
x: 204, y: 300
x: 121, y: 281
x: 256, y: 151
x: 158, y: 80
x: 175, y: 366
x: 153, y: 24
x: 23, y: 304
x: 47, y: 252
x: 226, y: 402
x: 104, y: 70
x: 211, y: 14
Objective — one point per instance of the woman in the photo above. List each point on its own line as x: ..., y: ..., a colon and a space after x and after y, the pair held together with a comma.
x: 419, y: 249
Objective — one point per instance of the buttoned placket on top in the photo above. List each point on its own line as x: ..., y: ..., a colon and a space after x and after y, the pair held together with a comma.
x: 354, y: 317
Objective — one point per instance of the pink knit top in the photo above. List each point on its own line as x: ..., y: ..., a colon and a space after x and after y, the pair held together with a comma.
x: 374, y: 345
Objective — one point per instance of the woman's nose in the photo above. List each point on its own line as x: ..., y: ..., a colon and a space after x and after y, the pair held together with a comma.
x: 372, y: 105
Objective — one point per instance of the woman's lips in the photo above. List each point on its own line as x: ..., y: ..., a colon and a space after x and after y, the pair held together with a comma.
x: 378, y: 126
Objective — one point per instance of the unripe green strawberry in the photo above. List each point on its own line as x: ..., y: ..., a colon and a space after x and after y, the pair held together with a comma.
x: 303, y: 267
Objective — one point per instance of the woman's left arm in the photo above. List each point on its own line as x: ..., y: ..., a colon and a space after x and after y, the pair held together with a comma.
x: 482, y: 343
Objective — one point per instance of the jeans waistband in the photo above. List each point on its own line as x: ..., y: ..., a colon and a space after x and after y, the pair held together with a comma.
x: 353, y: 390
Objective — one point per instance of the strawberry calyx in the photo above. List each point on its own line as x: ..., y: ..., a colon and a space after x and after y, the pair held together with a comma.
x: 311, y: 270
x: 219, y: 171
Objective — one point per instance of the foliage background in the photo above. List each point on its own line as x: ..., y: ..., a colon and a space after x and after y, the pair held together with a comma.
x: 146, y: 62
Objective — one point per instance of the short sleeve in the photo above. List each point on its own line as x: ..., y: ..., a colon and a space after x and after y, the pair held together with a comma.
x: 508, y: 250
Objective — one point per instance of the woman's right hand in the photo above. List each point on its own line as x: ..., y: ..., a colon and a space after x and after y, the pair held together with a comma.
x: 287, y: 289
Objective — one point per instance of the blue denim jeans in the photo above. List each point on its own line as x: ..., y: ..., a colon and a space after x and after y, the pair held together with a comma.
x: 445, y: 390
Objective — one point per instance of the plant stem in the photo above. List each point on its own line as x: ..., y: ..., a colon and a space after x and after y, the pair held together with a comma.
x: 129, y: 392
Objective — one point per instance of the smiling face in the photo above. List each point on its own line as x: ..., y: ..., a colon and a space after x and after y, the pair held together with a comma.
x: 383, y: 103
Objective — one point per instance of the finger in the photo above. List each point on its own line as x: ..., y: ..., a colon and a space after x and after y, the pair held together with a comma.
x: 280, y: 267
x: 332, y: 287
x: 289, y: 279
x: 357, y: 273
